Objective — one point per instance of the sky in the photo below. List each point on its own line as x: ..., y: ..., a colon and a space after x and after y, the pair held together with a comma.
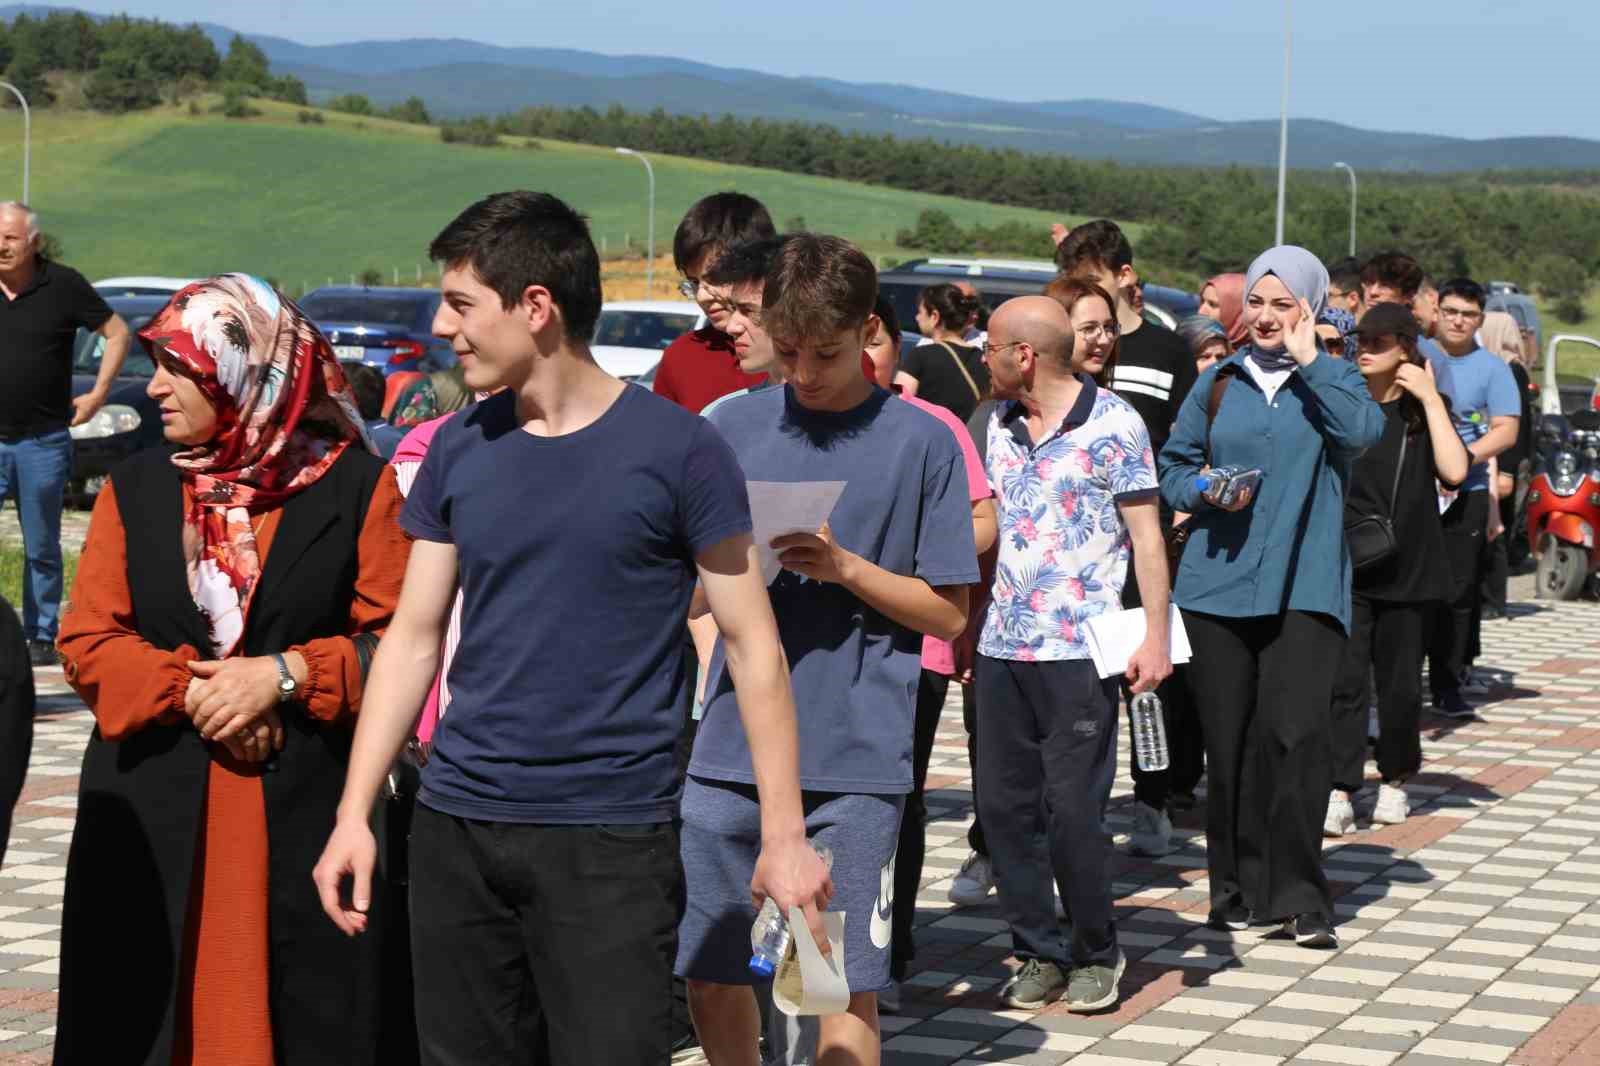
x: 1471, y: 68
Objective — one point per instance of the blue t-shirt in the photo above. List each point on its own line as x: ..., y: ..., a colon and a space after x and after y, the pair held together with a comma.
x: 906, y: 509
x: 576, y: 557
x: 1480, y: 386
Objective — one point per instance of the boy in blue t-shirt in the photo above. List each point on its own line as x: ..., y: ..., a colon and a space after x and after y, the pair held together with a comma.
x: 853, y: 601
x: 578, y: 514
x: 1487, y: 408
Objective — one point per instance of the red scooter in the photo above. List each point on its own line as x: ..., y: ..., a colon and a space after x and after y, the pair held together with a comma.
x: 1564, y: 509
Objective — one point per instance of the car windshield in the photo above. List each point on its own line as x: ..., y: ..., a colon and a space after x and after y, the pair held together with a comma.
x: 89, y: 347
x: 402, y: 311
x: 642, y: 329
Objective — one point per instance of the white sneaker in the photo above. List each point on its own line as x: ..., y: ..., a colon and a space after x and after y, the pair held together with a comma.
x: 1393, y: 807
x: 1151, y: 834
x: 1061, y: 908
x: 1341, y: 816
x: 972, y: 885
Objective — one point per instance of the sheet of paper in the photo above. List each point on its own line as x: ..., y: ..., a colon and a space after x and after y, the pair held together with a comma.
x: 1113, y: 637
x: 778, y: 508
x: 807, y: 983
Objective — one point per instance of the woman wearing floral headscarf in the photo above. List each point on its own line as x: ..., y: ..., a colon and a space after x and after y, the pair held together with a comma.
x: 228, y: 598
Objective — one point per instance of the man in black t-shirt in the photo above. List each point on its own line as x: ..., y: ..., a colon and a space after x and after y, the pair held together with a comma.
x: 1154, y: 371
x: 42, y: 306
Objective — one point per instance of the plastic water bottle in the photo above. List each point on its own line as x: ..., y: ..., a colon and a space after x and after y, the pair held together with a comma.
x: 1223, y: 486
x: 770, y: 939
x: 1149, y: 732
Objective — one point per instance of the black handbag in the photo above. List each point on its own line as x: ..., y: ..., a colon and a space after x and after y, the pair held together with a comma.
x: 1371, y: 537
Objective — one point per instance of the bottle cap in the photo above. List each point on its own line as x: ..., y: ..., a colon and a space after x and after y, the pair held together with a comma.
x: 1202, y: 481
x: 761, y: 966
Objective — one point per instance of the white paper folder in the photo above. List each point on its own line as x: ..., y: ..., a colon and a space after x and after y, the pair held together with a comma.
x: 1113, y: 637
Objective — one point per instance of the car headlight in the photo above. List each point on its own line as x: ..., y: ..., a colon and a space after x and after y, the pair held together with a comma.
x: 1565, y: 477
x: 108, y: 422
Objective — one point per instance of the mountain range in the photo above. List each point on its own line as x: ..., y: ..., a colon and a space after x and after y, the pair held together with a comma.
x: 459, y: 78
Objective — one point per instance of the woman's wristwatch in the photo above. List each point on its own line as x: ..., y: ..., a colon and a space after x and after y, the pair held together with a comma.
x: 287, y: 686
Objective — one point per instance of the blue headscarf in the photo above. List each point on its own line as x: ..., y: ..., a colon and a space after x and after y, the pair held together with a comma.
x: 1306, y: 279
x: 1345, y: 323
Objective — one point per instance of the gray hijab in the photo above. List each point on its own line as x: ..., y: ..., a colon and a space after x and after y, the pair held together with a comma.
x: 1303, y: 275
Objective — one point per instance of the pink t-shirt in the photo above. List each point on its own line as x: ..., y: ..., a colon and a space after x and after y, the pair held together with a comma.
x: 937, y: 655
x: 407, y: 459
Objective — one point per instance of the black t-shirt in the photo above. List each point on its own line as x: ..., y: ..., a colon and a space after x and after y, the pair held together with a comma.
x: 940, y: 381
x: 1154, y: 373
x: 1418, y: 571
x: 36, y: 333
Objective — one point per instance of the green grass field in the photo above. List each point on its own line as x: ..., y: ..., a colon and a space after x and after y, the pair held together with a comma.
x: 164, y: 192
x: 12, y: 562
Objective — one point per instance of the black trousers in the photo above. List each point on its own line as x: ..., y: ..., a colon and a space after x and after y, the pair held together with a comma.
x: 969, y: 719
x: 1185, y: 741
x: 1264, y: 686
x: 1048, y: 759
x: 574, y: 923
x: 1385, y: 646
x: 931, y: 691
x: 1450, y: 646
x: 16, y: 715
x: 1496, y: 567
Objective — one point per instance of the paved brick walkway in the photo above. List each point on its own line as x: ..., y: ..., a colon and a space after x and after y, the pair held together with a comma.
x: 1471, y: 933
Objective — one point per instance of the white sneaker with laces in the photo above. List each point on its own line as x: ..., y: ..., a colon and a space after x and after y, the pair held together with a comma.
x: 1151, y: 834
x: 972, y: 885
x: 1393, y: 807
x: 1341, y: 816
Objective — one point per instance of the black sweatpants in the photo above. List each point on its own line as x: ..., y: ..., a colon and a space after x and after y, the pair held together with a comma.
x: 931, y: 691
x: 969, y: 719
x: 577, y: 923
x: 1048, y: 758
x: 1185, y: 743
x: 16, y: 715
x: 1264, y: 687
x: 1385, y: 645
x: 1450, y: 646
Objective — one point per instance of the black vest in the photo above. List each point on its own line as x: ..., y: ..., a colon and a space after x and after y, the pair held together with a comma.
x: 141, y: 800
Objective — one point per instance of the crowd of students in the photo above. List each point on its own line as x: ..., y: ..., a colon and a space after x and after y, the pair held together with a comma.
x: 650, y: 723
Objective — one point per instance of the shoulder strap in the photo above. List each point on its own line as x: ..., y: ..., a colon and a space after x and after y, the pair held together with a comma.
x: 1394, y: 490
x: 1219, y: 385
x: 977, y: 395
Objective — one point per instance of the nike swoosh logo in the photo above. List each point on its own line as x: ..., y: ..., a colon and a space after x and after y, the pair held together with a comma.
x: 882, y: 928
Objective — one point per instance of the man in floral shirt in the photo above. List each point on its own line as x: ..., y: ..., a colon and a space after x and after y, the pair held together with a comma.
x: 1072, y: 470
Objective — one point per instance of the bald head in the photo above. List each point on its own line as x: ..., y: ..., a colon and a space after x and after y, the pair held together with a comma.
x: 1039, y: 322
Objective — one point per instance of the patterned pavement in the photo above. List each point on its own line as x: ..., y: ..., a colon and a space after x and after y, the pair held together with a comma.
x: 1470, y: 934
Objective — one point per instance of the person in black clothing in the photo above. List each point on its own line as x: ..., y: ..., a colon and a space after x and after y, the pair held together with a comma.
x: 1392, y: 597
x: 1153, y: 369
x: 1501, y: 335
x: 16, y: 715
x: 945, y: 370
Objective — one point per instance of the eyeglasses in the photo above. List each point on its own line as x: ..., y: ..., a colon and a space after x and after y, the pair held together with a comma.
x: 1108, y: 330
x: 688, y: 288
x: 1466, y: 314
x: 989, y: 349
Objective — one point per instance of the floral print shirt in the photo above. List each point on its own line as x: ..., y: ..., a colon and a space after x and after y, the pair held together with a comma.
x: 1063, y: 546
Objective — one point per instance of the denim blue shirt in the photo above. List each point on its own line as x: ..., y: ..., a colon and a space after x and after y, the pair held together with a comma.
x: 1286, y: 550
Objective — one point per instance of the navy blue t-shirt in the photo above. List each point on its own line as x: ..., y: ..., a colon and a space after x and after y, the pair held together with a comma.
x: 905, y: 508
x: 576, y: 557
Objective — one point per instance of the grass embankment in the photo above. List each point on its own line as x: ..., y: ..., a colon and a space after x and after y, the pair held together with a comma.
x: 167, y: 192
x: 12, y: 562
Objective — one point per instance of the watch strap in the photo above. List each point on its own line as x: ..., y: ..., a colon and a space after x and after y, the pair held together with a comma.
x: 286, y: 682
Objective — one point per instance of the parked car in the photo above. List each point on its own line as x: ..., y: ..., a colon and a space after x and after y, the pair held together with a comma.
x: 390, y: 329
x: 1523, y: 309
x: 630, y: 335
x: 130, y: 420
x: 142, y: 285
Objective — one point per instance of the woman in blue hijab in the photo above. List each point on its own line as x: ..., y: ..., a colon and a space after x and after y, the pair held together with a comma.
x: 1265, y: 592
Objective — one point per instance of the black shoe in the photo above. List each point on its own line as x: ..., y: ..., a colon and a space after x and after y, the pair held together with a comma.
x: 43, y: 653
x: 1311, y: 931
x: 1230, y: 919
x: 1182, y: 801
x: 1450, y: 704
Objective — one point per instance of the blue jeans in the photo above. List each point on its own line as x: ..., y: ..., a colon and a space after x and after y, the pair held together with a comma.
x: 35, y: 471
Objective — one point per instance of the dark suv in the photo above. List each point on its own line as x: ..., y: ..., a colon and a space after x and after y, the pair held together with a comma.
x: 390, y: 329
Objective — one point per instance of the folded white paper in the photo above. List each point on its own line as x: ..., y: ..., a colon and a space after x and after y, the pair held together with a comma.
x: 807, y: 983
x: 1113, y: 637
x: 778, y: 508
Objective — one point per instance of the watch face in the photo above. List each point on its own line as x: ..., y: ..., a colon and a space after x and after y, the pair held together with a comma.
x: 286, y: 686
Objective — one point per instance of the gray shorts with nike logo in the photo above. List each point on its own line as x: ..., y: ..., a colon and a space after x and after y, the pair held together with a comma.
x: 721, y: 837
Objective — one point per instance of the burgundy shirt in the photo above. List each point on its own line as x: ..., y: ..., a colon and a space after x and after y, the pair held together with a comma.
x: 699, y: 367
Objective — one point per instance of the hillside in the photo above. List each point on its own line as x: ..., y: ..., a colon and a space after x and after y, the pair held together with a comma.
x: 459, y: 78
x: 164, y: 192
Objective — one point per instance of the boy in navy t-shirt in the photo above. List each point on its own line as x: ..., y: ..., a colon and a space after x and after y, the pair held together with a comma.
x: 853, y: 601
x: 578, y: 514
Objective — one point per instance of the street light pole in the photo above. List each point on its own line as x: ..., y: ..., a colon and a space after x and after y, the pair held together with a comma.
x: 27, y: 136
x: 1352, y: 171
x: 1283, y: 124
x: 650, y: 242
